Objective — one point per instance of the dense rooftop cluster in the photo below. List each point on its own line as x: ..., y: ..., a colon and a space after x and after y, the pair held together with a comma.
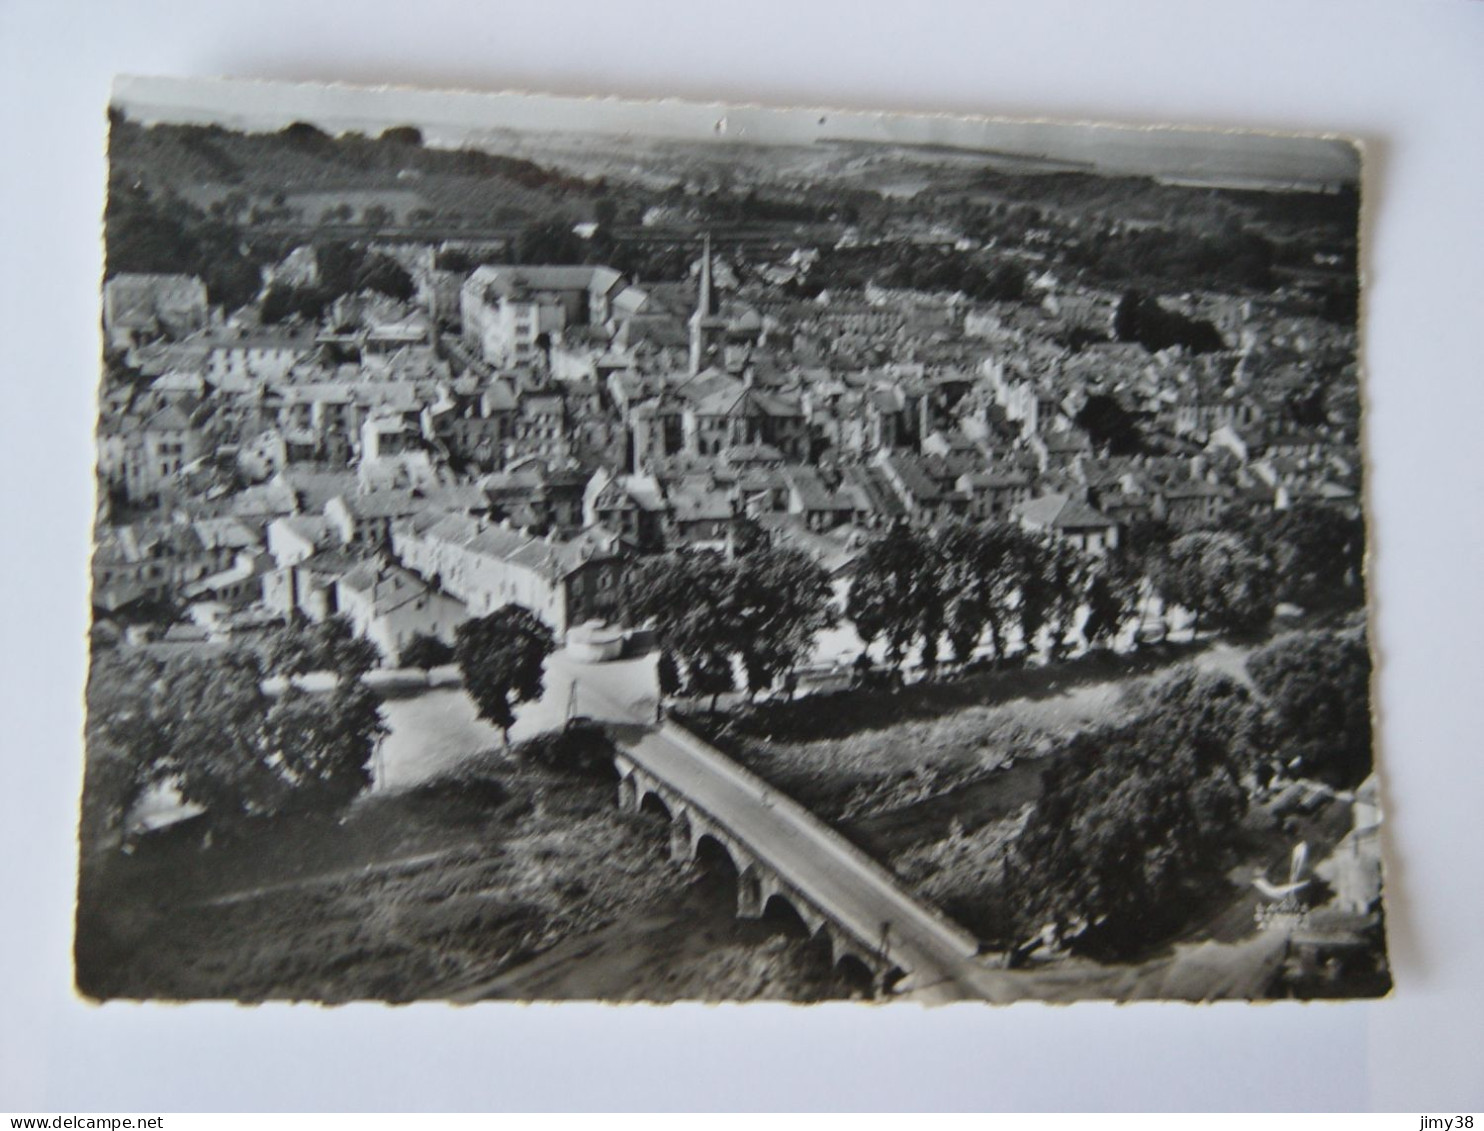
x: 447, y: 441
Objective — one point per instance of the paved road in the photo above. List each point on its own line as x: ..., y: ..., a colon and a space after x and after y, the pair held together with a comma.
x: 853, y: 890
x: 433, y: 722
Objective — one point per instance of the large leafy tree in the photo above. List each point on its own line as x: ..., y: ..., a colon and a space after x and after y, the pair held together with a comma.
x: 280, y: 301
x: 548, y: 241
x: 1112, y: 586
x: 1319, y: 552
x: 1005, y: 552
x: 690, y: 600
x: 777, y: 604
x: 763, y: 609
x: 898, y: 594
x: 1317, y: 685
x: 1221, y: 579
x: 341, y: 651
x: 502, y: 657
x: 969, y: 556
x: 289, y: 652
x: 329, y: 645
x: 1065, y: 578
x: 1036, y: 592
x: 1145, y: 543
x: 325, y: 743
x: 983, y: 567
x: 213, y: 717
x: 339, y: 265
x: 1111, y: 427
x: 1103, y: 846
x: 385, y: 275
x: 1213, y: 716
x: 1133, y: 819
x: 207, y: 727
x: 426, y: 652
x: 124, y: 742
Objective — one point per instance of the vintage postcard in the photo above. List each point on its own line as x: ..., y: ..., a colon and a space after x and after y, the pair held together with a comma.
x: 592, y: 550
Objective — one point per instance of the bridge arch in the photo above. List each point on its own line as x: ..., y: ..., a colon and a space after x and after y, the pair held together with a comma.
x: 790, y: 913
x: 654, y: 802
x: 709, y: 849
x: 856, y: 972
x: 646, y: 787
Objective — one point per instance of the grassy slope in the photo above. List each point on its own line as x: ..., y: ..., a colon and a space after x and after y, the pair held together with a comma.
x: 408, y: 896
x: 936, y: 780
x: 858, y: 755
x: 500, y: 882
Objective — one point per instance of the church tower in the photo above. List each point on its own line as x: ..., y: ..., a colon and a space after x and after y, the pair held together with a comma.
x: 707, y: 327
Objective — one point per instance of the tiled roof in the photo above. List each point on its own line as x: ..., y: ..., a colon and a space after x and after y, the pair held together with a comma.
x: 168, y: 419
x: 871, y: 491
x: 552, y: 558
x: 389, y: 588
x: 510, y: 280
x: 229, y: 532
x: 381, y: 504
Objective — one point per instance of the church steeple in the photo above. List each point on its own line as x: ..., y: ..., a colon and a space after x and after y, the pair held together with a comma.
x: 705, y: 327
x: 705, y: 300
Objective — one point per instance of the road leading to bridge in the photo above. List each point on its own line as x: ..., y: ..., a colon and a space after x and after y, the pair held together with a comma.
x: 853, y: 891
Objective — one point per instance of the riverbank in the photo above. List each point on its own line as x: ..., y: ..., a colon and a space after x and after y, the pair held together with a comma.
x: 936, y: 780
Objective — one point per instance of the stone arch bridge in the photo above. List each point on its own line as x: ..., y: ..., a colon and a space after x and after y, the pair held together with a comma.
x: 782, y: 852
x: 757, y: 883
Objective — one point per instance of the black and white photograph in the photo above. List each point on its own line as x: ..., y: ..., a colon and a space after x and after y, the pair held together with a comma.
x: 619, y: 551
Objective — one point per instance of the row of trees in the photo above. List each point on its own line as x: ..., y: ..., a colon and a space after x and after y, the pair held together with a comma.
x: 916, y: 588
x: 956, y: 587
x: 148, y: 233
x: 1136, y: 820
x: 897, y: 264
x: 759, y: 612
x: 960, y: 582
x: 1228, y: 257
